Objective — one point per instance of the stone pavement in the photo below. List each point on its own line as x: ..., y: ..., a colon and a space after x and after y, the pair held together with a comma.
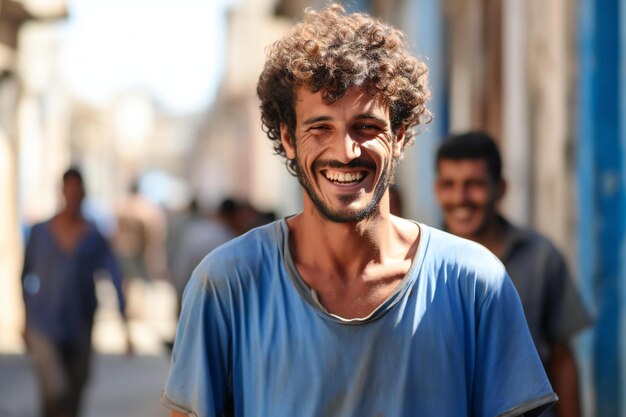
x: 120, y: 386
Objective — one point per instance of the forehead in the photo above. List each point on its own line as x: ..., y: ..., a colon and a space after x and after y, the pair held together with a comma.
x: 72, y: 181
x: 462, y: 168
x: 354, y: 102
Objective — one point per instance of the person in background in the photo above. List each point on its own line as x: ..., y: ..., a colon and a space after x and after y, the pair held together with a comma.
x: 140, y: 239
x: 198, y: 238
x: 469, y: 187
x: 140, y: 243
x: 203, y: 233
x: 343, y: 309
x: 177, y: 221
x: 61, y: 260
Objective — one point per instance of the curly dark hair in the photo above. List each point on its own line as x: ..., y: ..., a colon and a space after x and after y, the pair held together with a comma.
x: 332, y: 51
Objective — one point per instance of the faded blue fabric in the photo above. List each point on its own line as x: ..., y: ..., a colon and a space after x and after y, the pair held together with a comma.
x: 59, y: 288
x: 451, y: 341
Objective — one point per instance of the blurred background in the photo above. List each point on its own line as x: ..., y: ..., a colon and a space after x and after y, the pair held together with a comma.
x: 157, y: 99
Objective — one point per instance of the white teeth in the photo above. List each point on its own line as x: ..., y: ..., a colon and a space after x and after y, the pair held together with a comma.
x: 344, y: 177
x: 462, y: 213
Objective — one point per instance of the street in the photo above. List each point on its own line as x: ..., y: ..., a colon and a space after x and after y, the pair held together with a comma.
x: 120, y: 386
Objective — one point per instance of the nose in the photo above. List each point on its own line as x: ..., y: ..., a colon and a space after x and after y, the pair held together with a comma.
x: 458, y: 194
x: 347, y: 147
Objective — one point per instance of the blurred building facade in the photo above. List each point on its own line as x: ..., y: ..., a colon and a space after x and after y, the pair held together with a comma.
x: 545, y: 78
x: 44, y: 129
x: 232, y: 155
x: 26, y: 95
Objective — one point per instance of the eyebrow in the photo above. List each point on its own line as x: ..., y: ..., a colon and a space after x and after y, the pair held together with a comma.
x: 369, y: 116
x: 316, y: 119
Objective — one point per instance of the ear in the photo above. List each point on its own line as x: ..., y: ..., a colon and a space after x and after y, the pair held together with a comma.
x: 398, y: 144
x: 286, y: 141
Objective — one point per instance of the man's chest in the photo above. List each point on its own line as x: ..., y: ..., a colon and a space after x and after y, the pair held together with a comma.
x: 355, y: 301
x: 358, y: 296
x: 288, y: 358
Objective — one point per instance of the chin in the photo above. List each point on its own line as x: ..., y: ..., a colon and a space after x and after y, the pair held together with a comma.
x: 463, y: 231
x: 348, y: 214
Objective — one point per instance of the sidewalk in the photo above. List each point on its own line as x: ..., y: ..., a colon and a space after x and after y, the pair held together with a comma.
x: 120, y: 386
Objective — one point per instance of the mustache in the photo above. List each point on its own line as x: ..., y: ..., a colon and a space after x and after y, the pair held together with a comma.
x: 355, y: 163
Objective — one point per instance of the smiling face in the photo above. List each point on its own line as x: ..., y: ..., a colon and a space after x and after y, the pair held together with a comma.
x: 468, y: 196
x: 345, y: 153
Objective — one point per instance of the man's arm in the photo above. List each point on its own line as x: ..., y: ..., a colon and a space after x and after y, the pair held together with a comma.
x: 111, y: 264
x: 565, y: 316
x: 564, y: 376
x: 29, y: 280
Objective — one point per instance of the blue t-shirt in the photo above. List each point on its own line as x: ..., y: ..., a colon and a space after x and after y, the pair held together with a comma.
x: 450, y: 341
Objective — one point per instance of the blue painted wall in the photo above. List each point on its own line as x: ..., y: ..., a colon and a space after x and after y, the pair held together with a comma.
x: 601, y: 193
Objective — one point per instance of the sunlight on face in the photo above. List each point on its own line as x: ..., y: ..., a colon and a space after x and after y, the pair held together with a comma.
x: 345, y: 153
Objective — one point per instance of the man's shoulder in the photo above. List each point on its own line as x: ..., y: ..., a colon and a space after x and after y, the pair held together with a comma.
x: 242, y: 255
x: 449, y: 247
x: 463, y: 257
x: 38, y: 229
x: 42, y: 224
x: 532, y: 240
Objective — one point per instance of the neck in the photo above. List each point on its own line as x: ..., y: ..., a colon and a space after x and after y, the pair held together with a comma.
x: 342, y: 248
x: 71, y: 214
x: 492, y: 237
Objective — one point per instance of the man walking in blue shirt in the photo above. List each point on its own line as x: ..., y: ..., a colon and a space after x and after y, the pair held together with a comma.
x: 62, y: 257
x: 344, y: 309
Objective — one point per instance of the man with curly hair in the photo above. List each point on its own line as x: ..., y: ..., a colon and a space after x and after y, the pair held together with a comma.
x: 345, y: 309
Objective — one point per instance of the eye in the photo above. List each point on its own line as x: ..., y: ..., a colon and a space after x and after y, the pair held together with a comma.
x: 476, y: 183
x: 318, y: 128
x: 446, y: 184
x: 367, y: 127
x: 368, y: 130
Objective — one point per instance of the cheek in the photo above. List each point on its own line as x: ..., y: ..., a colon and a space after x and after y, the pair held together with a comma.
x: 378, y: 149
x: 479, y: 196
x: 443, y: 194
x: 308, y: 151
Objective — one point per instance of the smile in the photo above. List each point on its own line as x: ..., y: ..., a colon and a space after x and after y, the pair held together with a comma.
x: 462, y: 213
x: 347, y: 178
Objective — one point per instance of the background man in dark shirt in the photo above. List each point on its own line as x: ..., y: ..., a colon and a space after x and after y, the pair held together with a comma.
x: 469, y: 188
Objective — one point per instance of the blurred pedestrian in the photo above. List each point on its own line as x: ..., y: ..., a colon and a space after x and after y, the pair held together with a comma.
x: 140, y: 239
x: 343, y: 309
x: 203, y: 233
x: 469, y: 188
x: 140, y: 244
x: 177, y: 222
x: 61, y: 260
x: 199, y: 237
